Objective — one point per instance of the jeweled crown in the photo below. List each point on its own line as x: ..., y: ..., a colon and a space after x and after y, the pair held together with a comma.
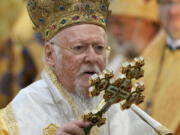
x: 51, y: 16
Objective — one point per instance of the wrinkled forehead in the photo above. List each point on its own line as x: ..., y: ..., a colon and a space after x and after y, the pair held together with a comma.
x: 83, y: 32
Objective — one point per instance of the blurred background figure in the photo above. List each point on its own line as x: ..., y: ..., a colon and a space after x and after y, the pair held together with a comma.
x: 20, y: 50
x: 8, y: 18
x: 9, y: 12
x: 162, y: 69
x: 132, y: 27
x: 135, y: 30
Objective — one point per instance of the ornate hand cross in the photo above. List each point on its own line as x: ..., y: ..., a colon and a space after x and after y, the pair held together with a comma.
x: 116, y: 89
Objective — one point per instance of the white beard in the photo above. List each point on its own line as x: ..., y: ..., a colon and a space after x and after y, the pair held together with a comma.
x: 85, y: 104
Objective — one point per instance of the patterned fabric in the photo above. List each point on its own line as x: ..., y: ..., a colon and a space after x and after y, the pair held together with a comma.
x: 49, y: 17
x: 41, y: 108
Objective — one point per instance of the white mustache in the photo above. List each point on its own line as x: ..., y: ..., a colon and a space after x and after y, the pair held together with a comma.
x: 88, y: 68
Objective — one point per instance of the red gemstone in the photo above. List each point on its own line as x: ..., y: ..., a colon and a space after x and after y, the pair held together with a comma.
x: 95, y: 17
x: 75, y: 18
x: 53, y: 27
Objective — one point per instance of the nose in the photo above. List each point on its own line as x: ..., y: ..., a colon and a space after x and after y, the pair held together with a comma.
x: 91, y: 56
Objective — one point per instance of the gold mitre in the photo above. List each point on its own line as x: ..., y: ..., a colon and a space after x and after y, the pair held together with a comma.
x: 147, y: 9
x: 51, y: 16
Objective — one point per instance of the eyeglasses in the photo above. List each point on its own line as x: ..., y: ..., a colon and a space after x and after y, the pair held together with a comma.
x: 80, y: 49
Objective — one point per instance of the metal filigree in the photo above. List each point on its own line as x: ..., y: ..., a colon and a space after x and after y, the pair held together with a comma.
x: 119, y: 89
x: 50, y: 130
x: 51, y: 16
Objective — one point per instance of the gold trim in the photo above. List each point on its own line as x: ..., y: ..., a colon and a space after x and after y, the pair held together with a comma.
x: 161, y: 130
x: 49, y: 17
x: 50, y: 130
x: 10, y: 120
x: 68, y: 97
x: 100, y: 21
x: 64, y: 92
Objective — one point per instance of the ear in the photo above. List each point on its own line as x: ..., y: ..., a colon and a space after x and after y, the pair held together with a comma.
x: 49, y: 55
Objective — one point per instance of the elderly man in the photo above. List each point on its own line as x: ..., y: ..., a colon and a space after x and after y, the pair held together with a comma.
x: 162, y: 68
x: 75, y: 49
x: 133, y: 25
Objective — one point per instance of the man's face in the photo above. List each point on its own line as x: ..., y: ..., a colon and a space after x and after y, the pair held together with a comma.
x: 125, y: 30
x: 122, y: 28
x: 170, y: 16
x: 80, y: 56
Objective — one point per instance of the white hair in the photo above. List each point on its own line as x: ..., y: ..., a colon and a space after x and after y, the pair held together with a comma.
x: 53, y: 42
x: 57, y: 50
x: 85, y: 104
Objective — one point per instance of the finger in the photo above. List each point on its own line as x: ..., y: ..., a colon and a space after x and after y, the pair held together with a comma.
x: 73, y: 129
x: 81, y: 123
x: 65, y: 134
x: 61, y: 132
